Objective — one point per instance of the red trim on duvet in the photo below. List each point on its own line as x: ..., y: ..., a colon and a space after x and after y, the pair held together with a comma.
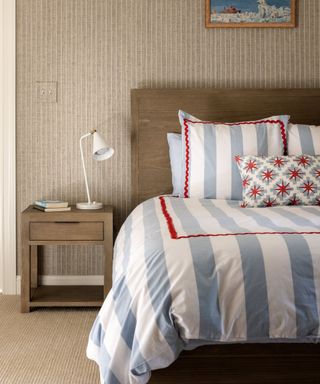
x: 174, y: 235
x: 166, y: 214
x: 187, y: 141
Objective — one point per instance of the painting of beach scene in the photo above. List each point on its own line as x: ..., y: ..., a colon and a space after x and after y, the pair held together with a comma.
x: 250, y: 13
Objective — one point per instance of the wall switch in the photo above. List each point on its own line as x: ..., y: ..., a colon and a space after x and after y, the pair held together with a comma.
x: 47, y: 91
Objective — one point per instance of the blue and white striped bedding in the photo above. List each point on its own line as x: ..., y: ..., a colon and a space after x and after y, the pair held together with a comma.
x: 190, y: 272
x: 303, y: 139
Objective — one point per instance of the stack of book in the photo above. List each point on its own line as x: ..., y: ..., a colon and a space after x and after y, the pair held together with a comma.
x: 51, y: 205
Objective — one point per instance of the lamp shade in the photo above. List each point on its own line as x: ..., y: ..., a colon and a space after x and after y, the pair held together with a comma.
x: 100, y: 150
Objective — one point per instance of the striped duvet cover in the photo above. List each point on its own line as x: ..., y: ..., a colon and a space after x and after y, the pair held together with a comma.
x: 189, y: 272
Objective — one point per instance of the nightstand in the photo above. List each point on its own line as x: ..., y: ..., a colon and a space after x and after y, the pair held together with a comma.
x: 75, y: 227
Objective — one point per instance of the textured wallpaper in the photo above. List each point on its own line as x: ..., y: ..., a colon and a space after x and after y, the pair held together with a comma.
x: 97, y: 50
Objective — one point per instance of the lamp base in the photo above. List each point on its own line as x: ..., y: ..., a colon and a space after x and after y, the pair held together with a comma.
x: 93, y: 205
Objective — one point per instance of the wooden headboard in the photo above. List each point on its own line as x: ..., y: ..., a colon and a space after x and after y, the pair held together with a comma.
x: 154, y: 113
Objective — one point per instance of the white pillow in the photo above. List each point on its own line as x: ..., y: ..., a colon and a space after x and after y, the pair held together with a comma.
x: 209, y: 148
x: 174, y: 141
x: 303, y: 139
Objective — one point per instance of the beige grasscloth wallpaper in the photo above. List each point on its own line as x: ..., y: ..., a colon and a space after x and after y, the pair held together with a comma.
x: 97, y: 50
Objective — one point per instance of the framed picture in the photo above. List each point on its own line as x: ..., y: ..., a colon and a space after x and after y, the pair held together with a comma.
x: 250, y: 13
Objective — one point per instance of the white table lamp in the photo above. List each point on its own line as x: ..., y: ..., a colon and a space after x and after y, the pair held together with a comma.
x: 100, y: 151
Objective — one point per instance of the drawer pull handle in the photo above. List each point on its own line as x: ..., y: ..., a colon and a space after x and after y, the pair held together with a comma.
x: 67, y: 222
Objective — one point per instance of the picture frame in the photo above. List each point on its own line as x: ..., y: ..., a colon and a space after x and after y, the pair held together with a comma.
x: 251, y: 13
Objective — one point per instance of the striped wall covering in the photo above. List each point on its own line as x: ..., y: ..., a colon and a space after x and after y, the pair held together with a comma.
x: 97, y: 50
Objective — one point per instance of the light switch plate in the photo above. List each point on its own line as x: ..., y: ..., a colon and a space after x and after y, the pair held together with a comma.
x: 47, y: 91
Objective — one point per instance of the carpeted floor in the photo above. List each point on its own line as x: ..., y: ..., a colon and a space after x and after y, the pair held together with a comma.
x: 46, y: 346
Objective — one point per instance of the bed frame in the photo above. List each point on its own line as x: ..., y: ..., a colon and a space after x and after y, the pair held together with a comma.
x: 154, y: 113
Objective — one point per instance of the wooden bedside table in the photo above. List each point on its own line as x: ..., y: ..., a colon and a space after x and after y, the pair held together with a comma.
x: 75, y: 227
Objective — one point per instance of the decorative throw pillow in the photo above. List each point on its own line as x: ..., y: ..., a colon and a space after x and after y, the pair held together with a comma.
x: 303, y: 139
x: 280, y: 180
x: 174, y: 141
x: 208, y: 150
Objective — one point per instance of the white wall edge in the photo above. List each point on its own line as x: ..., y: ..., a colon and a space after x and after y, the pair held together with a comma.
x: 8, y: 146
x: 66, y: 280
x: 1, y: 145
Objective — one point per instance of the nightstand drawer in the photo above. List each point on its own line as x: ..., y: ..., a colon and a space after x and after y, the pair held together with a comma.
x: 68, y: 231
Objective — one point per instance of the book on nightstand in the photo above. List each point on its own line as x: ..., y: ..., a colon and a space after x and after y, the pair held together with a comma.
x: 51, y: 203
x: 62, y: 209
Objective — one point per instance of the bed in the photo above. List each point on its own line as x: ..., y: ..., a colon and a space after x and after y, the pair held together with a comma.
x: 235, y: 356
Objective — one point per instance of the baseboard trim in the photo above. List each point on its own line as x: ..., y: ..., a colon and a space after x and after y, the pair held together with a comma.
x: 66, y: 280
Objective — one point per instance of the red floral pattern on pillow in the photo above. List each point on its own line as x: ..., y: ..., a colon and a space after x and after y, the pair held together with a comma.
x: 279, y: 180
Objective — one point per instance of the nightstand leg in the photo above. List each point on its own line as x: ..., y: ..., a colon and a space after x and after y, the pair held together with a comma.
x: 107, y: 275
x: 25, y: 279
x: 34, y: 266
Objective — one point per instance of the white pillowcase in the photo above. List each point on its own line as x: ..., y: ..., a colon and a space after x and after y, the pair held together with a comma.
x: 303, y: 139
x: 175, y: 155
x: 209, y: 148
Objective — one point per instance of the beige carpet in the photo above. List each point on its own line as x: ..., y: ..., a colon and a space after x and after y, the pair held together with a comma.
x: 46, y: 346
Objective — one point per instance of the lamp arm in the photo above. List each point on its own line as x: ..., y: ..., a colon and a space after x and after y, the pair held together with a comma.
x: 83, y: 166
